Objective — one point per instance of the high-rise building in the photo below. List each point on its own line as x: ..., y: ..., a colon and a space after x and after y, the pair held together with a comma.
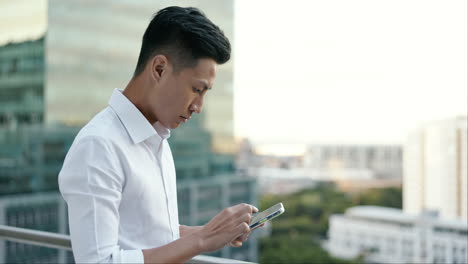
x: 22, y: 83
x: 31, y: 155
x: 435, y: 169
x: 388, y: 235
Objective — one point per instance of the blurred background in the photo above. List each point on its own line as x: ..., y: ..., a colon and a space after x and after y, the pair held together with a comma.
x: 351, y: 113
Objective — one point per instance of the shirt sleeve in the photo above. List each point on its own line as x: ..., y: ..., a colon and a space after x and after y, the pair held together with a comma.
x: 91, y: 182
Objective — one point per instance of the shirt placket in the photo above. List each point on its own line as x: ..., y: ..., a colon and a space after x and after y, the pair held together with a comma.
x: 165, y: 184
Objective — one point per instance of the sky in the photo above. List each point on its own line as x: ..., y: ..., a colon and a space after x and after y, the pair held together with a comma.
x: 20, y: 18
x: 347, y: 71
x: 330, y: 71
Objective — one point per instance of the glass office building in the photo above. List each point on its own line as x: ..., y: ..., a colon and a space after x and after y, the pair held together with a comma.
x: 30, y: 154
x: 22, y: 83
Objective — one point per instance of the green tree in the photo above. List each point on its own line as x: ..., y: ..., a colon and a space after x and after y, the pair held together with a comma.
x: 296, y: 235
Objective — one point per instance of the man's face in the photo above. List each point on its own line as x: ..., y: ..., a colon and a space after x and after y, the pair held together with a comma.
x: 179, y: 95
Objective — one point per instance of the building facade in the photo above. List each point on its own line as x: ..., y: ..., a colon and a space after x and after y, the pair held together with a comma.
x: 351, y: 161
x: 22, y: 71
x: 31, y: 157
x: 435, y: 169
x: 40, y: 211
x: 388, y: 235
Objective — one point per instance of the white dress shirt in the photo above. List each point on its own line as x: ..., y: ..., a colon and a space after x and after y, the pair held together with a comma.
x: 118, y: 180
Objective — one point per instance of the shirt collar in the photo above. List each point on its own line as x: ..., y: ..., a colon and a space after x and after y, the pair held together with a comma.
x: 133, y: 120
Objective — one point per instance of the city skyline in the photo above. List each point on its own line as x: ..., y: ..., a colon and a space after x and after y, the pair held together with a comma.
x: 346, y: 72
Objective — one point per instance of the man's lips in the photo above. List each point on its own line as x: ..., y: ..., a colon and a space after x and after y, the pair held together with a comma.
x: 184, y: 118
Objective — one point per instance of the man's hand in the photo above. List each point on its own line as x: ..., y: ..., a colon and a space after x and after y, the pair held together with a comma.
x: 226, y: 228
x: 238, y: 241
x: 187, y: 230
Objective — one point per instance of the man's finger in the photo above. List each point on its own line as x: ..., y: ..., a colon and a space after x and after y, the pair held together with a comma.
x: 242, y: 238
x: 254, y: 209
x: 250, y: 207
x: 242, y: 229
x: 245, y: 237
x: 236, y: 244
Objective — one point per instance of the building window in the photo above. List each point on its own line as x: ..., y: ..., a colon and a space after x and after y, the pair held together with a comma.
x: 463, y: 258
x: 407, y: 248
x: 14, y: 65
x: 391, y: 246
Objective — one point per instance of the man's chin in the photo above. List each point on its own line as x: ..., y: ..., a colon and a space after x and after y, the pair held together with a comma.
x: 170, y: 125
x: 173, y: 125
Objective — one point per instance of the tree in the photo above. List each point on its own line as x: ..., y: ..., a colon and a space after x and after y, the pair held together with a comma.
x: 296, y: 235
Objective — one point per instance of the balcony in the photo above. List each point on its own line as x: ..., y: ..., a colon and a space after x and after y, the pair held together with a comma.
x: 60, y: 241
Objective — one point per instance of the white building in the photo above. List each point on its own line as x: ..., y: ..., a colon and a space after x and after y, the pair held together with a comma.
x: 435, y: 169
x: 283, y: 181
x: 387, y: 235
x: 350, y: 161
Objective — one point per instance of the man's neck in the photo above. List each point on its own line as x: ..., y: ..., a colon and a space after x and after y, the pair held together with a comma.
x: 136, y: 92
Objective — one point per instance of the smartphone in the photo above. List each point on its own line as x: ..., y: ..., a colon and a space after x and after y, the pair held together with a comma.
x: 268, y: 214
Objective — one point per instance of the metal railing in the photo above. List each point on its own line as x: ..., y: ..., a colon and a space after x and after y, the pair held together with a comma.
x: 60, y: 241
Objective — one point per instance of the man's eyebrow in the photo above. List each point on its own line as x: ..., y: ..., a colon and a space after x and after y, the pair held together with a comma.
x: 205, y: 84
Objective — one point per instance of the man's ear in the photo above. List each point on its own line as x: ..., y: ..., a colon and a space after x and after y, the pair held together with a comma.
x: 159, y: 65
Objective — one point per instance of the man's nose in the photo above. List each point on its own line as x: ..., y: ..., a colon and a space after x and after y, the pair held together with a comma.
x: 197, y: 105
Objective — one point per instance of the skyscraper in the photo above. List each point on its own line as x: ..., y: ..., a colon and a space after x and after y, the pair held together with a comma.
x: 21, y: 83
x: 435, y: 169
x: 30, y: 155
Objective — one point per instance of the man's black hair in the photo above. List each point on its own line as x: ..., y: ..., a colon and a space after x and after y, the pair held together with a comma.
x: 184, y: 35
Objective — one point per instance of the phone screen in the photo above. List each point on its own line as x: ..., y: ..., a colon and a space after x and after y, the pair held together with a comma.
x: 266, y: 215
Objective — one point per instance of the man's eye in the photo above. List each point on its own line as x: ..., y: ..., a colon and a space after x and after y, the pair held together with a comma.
x: 197, y: 90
